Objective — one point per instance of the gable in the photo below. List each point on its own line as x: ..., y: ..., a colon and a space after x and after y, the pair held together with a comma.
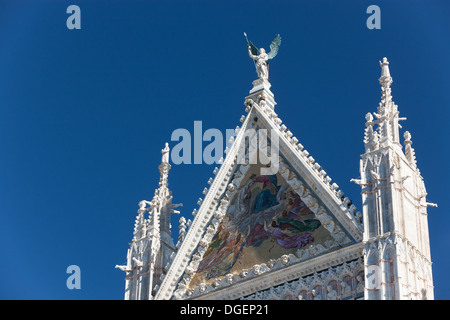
x: 251, y: 223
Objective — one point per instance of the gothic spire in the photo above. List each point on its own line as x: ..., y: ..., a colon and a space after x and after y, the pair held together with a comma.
x: 152, y: 245
x: 370, y: 136
x: 394, y: 205
x: 387, y: 112
x: 140, y: 225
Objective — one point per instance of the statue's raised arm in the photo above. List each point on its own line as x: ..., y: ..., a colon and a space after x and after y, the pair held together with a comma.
x: 252, y: 50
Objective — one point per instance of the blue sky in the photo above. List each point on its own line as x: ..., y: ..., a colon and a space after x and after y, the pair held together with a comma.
x: 85, y: 113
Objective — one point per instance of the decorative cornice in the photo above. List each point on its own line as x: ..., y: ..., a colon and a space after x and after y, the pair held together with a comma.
x: 345, y: 281
x: 269, y: 276
x: 393, y: 239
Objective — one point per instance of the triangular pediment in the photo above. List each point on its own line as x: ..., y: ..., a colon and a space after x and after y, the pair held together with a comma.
x: 252, y: 222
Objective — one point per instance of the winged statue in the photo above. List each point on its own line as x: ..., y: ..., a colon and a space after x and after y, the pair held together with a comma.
x: 261, y: 58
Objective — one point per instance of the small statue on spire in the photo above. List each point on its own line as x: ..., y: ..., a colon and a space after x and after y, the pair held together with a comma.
x: 164, y: 167
x: 385, y: 79
x: 260, y: 57
x: 165, y: 154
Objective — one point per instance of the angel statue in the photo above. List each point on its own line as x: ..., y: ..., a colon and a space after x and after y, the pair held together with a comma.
x: 260, y: 57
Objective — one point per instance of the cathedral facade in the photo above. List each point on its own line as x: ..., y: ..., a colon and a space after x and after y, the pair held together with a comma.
x: 286, y: 232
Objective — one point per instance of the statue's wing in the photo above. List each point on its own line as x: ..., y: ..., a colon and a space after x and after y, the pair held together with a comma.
x: 253, y: 48
x: 274, y: 46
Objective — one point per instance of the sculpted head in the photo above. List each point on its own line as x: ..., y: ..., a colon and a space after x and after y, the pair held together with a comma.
x: 262, y: 50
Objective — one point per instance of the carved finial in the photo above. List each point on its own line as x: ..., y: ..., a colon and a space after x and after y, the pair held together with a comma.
x: 385, y: 79
x: 142, y: 206
x: 140, y: 223
x: 182, y: 233
x: 371, y: 140
x: 387, y: 112
x: 407, y: 137
x: 409, y: 150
